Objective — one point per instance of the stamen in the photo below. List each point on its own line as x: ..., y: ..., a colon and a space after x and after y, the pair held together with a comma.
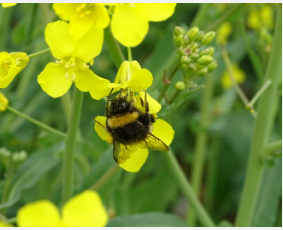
x: 85, y: 65
x: 88, y: 12
x: 67, y: 75
x: 74, y: 76
x: 59, y: 61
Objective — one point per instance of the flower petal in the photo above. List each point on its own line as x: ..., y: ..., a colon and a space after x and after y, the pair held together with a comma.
x: 154, y: 106
x: 87, y: 81
x: 53, y: 80
x: 38, y: 214
x: 90, y: 45
x: 102, y: 133
x: 85, y: 210
x: 3, y: 102
x: 65, y: 10
x: 58, y: 39
x: 12, y: 73
x: 21, y: 59
x: 8, y: 4
x: 156, y: 12
x: 140, y: 80
x: 136, y: 161
x: 122, y: 72
x: 101, y: 19
x: 163, y: 131
x: 127, y: 26
x: 80, y: 25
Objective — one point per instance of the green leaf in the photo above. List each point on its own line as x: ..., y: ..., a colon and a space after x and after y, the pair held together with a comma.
x: 39, y: 163
x: 269, y: 195
x: 141, y: 200
x: 147, y: 220
x: 104, y: 163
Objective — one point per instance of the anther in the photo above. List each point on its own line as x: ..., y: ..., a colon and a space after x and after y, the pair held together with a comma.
x: 59, y: 62
x: 74, y: 76
x: 85, y: 65
x: 67, y: 75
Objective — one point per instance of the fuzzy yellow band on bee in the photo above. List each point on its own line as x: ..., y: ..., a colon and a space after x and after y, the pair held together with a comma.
x: 120, y: 121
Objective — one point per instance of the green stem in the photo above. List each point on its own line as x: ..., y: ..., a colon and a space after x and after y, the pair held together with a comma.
x: 175, y: 95
x: 165, y: 86
x: 201, y: 141
x: 66, y: 105
x: 199, y: 19
x: 105, y: 177
x: 8, y: 179
x: 45, y: 15
x: 39, y: 53
x: 5, y: 25
x: 12, y: 220
x: 223, y: 17
x: 261, y: 129
x: 70, y: 145
x: 114, y: 48
x: 239, y: 91
x: 274, y: 146
x: 187, y: 190
x: 257, y: 66
x: 130, y: 59
x: 36, y: 122
x: 211, y: 174
x: 259, y: 93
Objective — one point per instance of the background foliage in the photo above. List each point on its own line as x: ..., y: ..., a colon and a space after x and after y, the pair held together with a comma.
x: 153, y: 188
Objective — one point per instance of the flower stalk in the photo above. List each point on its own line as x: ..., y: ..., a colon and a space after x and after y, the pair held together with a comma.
x: 39, y: 53
x: 187, y: 190
x: 68, y: 160
x: 36, y: 122
x: 261, y: 129
x: 201, y: 141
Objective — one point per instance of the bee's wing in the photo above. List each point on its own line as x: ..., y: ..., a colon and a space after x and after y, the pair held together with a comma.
x: 152, y: 142
x: 122, y: 152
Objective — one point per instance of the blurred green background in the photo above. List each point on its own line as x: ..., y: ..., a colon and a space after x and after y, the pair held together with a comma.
x: 153, y: 188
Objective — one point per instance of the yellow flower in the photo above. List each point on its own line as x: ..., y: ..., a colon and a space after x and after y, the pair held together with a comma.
x: 82, y: 16
x: 129, y: 23
x: 223, y: 33
x: 57, y: 78
x: 135, y: 79
x: 83, y: 210
x: 239, y: 75
x: 10, y: 65
x: 8, y: 4
x: 3, y: 102
x: 262, y: 17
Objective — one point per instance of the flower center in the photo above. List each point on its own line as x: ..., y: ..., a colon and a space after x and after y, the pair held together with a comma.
x: 72, y: 64
x: 85, y: 8
x: 6, y: 63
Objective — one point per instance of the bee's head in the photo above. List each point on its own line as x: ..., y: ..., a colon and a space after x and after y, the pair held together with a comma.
x: 120, y: 105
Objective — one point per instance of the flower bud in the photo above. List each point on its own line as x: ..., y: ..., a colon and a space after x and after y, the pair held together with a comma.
x: 180, y: 85
x: 199, y: 36
x: 179, y: 31
x: 185, y: 60
x: 196, y: 50
x: 192, y: 67
x: 194, y: 56
x: 210, y: 51
x: 205, y: 59
x: 195, y: 46
x: 202, y: 72
x: 208, y: 38
x: 179, y: 41
x: 3, y: 102
x: 181, y: 52
x: 184, y: 67
x: 186, y: 40
x: 203, y: 52
x: 212, y: 66
x: 192, y: 33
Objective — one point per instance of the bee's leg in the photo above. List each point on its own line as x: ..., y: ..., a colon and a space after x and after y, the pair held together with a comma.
x: 106, y: 107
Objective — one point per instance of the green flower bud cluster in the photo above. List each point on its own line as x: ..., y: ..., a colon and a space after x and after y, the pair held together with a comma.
x: 194, y: 60
x: 16, y: 157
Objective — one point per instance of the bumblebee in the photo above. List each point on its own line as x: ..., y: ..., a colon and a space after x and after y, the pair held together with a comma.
x: 130, y: 127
